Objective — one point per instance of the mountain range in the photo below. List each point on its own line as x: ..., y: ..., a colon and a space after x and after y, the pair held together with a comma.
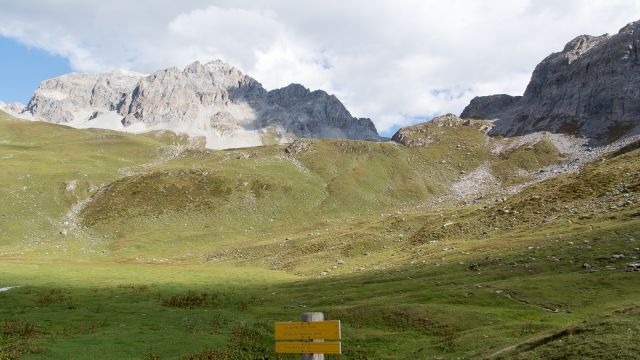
x: 589, y: 89
x: 214, y: 101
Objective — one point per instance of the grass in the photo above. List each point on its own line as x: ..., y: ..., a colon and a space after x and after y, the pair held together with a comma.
x: 436, y: 308
x: 514, y: 165
x: 195, y: 256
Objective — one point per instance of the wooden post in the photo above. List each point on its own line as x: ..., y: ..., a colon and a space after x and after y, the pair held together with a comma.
x: 309, y: 317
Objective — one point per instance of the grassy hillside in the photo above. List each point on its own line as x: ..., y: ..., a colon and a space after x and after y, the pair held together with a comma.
x: 194, y: 254
x: 135, y: 198
x: 48, y: 168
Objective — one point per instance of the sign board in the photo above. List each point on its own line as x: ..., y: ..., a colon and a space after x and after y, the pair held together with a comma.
x: 316, y: 330
x: 288, y: 347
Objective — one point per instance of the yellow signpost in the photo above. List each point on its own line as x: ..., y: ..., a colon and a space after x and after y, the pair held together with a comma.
x: 290, y: 347
x: 311, y: 336
x: 327, y: 330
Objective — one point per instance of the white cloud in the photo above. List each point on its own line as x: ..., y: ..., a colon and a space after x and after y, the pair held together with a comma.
x: 389, y: 60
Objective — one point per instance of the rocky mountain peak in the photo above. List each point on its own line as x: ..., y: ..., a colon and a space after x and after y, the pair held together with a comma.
x: 630, y: 28
x: 71, y: 98
x: 581, y: 44
x: 589, y: 89
x: 214, y: 100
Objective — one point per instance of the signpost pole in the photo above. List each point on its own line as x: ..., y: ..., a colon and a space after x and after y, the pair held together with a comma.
x: 310, y: 317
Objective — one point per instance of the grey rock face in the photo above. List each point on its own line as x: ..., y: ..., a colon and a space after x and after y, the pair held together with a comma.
x: 224, y: 98
x: 591, y: 88
x: 488, y: 107
x: 12, y: 108
x: 171, y: 95
x: 72, y: 97
x: 214, y: 100
x: 313, y: 114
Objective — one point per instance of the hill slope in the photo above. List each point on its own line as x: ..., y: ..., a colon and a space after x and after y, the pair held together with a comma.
x: 135, y: 246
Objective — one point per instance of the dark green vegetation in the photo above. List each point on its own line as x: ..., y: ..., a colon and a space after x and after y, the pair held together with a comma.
x: 194, y: 255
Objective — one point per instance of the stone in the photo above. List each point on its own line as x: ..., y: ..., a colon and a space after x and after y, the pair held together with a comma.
x: 586, y: 266
x: 632, y: 267
x: 617, y: 256
x: 590, y: 88
x: 340, y: 262
x: 70, y: 185
x: 297, y: 146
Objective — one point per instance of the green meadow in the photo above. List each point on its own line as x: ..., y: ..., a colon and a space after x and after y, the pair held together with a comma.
x: 149, y: 247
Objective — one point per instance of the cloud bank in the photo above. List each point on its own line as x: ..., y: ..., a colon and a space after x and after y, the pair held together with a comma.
x: 392, y: 61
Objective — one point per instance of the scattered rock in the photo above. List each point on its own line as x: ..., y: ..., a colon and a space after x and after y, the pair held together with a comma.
x: 340, y: 262
x: 70, y: 185
x: 586, y: 266
x: 3, y: 289
x: 617, y: 256
x: 632, y: 267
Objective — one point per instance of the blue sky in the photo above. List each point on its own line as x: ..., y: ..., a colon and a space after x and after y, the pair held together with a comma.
x: 22, y: 68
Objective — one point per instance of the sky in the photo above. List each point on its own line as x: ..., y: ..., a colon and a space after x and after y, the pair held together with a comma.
x: 23, y: 67
x: 396, y: 62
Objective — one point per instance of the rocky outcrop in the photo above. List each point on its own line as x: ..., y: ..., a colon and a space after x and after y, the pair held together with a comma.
x: 12, y: 108
x: 213, y: 100
x: 75, y: 97
x: 489, y: 107
x: 591, y: 88
x: 201, y: 94
x: 314, y: 114
x: 423, y: 134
